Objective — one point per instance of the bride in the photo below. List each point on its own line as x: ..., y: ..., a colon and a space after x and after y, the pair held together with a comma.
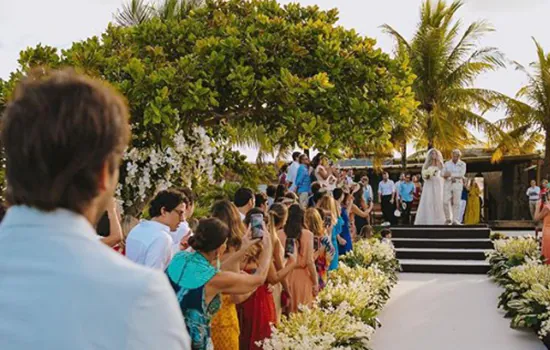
x: 430, y: 210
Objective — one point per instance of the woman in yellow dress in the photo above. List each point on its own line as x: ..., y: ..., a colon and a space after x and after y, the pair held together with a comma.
x: 473, y: 207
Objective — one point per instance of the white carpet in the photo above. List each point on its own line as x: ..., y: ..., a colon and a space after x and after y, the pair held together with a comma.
x: 448, y: 312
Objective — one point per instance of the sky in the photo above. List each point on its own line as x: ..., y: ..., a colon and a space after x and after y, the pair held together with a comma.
x: 58, y: 23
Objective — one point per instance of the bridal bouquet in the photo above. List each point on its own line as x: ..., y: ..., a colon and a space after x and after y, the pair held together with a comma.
x: 430, y: 172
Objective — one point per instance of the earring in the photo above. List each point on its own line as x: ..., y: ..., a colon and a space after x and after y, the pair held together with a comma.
x: 218, y: 262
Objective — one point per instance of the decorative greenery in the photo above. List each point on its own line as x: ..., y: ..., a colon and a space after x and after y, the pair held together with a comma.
x: 509, y: 253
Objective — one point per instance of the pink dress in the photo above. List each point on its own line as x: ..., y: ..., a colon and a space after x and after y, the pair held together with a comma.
x: 546, y: 237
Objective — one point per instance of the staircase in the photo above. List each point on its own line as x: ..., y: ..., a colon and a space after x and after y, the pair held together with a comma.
x: 442, y: 249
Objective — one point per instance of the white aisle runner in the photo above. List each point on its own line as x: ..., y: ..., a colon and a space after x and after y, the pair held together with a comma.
x: 448, y: 312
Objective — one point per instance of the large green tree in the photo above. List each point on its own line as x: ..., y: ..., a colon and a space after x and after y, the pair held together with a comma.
x: 528, y: 115
x: 446, y: 61
x: 231, y: 64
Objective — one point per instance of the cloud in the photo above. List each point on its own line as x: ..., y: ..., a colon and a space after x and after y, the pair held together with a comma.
x: 503, y: 5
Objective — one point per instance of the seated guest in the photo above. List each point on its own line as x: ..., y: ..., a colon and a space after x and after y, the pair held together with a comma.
x: 150, y: 243
x: 386, y: 236
x: 61, y: 288
x: 244, y: 200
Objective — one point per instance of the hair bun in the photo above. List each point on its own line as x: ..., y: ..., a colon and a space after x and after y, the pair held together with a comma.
x: 195, y: 242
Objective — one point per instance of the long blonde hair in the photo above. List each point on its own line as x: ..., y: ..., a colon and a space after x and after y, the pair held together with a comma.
x: 329, y: 204
x: 227, y: 212
x: 314, y: 223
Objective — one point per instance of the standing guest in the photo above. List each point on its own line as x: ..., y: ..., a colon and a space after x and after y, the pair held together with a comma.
x: 329, y: 205
x: 244, y: 200
x: 260, y: 200
x: 278, y: 213
x: 61, y: 288
x: 182, y: 234
x: 109, y: 227
x: 397, y: 184
x: 533, y: 193
x: 406, y: 191
x: 199, y: 283
x: 280, y: 192
x: 303, y: 283
x: 543, y: 215
x: 356, y: 203
x: 150, y: 243
x: 315, y: 188
x: 303, y: 181
x: 324, y: 251
x: 323, y: 173
x: 386, y: 197
x: 283, y: 175
x: 367, y: 190
x: 225, y: 324
x: 293, y: 171
x: 271, y: 191
x: 463, y: 203
x: 339, y: 197
x: 473, y: 209
x: 257, y: 311
x: 417, y: 191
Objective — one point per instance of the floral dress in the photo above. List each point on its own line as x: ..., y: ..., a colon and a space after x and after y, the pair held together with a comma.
x: 188, y: 274
x: 323, y: 260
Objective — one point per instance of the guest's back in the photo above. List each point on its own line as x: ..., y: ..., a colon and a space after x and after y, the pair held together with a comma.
x: 61, y: 288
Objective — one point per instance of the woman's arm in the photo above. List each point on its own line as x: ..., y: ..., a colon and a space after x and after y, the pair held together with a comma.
x: 115, y: 230
x: 311, y: 264
x: 275, y: 276
x: 540, y: 214
x: 355, y: 210
x: 323, y: 172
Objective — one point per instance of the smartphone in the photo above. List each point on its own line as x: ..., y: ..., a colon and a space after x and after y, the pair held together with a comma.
x: 328, y: 220
x: 289, y: 247
x: 257, y: 221
x: 316, y: 244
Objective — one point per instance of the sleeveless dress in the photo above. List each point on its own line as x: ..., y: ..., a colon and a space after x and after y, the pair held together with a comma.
x: 546, y: 238
x: 335, y: 232
x: 225, y: 326
x: 188, y: 274
x: 323, y: 260
x: 430, y: 210
x: 256, y: 315
x: 344, y: 249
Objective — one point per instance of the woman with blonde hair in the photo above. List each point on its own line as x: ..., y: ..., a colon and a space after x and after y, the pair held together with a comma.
x: 278, y: 214
x: 225, y: 324
x: 330, y: 207
x: 324, y: 251
x: 303, y: 283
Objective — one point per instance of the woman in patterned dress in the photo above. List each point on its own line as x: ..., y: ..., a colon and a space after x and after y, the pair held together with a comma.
x: 324, y: 251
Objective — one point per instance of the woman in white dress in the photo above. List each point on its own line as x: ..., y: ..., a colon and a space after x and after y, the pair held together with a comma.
x: 430, y: 210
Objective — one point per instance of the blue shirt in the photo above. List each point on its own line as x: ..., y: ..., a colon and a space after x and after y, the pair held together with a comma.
x: 367, y: 193
x: 406, y: 190
x: 61, y: 288
x: 303, y: 181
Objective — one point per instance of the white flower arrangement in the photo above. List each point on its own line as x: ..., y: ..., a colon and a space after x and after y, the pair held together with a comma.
x: 429, y: 172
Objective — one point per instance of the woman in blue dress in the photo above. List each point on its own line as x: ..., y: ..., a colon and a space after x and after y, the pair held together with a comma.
x: 345, y: 234
x: 330, y: 207
x: 198, y: 281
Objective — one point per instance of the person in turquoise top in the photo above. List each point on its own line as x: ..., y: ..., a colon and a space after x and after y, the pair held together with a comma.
x: 198, y: 281
x: 345, y: 233
x: 406, y: 191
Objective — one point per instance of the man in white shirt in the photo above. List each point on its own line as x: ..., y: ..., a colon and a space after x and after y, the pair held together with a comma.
x: 453, y: 173
x: 293, y: 171
x: 386, y: 197
x: 183, y: 232
x: 533, y: 193
x: 60, y: 287
x: 150, y: 243
x: 244, y: 201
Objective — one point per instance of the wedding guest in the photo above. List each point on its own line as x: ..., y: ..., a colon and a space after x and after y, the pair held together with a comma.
x: 417, y: 192
x: 367, y: 190
x: 280, y: 192
x: 356, y: 202
x: 150, y: 243
x: 199, y: 283
x: 63, y: 136
x: 183, y: 232
x: 473, y: 208
x: 303, y: 181
x: 338, y: 195
x: 303, y: 282
x: 463, y: 203
x: 406, y: 191
x: 323, y: 249
x: 533, y: 193
x: 278, y: 214
x: 324, y: 174
x: 293, y: 171
x: 261, y: 201
x: 542, y: 215
x: 397, y: 185
x: 244, y: 200
x: 315, y: 188
x: 331, y: 208
x: 386, y: 196
x: 386, y: 236
x: 271, y: 191
x: 283, y: 175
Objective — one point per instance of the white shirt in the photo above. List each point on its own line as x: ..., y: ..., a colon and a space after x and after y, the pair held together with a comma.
x: 61, y: 289
x: 533, y: 193
x: 386, y: 188
x: 292, y: 173
x: 150, y: 244
x: 242, y: 216
x: 182, y: 231
x: 457, y: 170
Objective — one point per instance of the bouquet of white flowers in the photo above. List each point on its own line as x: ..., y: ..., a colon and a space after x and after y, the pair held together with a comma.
x: 430, y: 172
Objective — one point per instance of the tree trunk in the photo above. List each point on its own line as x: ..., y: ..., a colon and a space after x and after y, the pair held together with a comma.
x: 545, y: 169
x: 404, y: 155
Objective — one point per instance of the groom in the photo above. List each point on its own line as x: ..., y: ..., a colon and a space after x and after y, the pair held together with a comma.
x: 453, y: 173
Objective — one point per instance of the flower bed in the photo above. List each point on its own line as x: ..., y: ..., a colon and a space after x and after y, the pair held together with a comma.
x: 517, y: 266
x: 344, y: 313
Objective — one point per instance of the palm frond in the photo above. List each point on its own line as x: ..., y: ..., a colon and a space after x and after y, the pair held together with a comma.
x: 134, y: 12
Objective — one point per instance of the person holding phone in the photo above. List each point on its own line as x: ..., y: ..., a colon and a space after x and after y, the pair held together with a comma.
x: 303, y: 283
x: 324, y: 251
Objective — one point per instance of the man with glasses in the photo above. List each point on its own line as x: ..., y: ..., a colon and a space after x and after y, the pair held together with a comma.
x: 150, y: 243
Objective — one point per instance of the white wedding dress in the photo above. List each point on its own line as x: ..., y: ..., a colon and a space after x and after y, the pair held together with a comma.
x: 430, y: 210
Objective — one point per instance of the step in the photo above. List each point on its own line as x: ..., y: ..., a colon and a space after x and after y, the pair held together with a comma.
x: 441, y: 254
x: 452, y: 243
x: 438, y: 232
x: 445, y: 266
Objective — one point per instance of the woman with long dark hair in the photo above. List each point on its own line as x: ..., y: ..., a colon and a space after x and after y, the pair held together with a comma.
x: 360, y: 216
x: 303, y: 283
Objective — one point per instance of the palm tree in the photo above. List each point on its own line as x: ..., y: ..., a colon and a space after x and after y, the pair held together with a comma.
x: 528, y: 115
x: 446, y: 64
x: 139, y: 11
